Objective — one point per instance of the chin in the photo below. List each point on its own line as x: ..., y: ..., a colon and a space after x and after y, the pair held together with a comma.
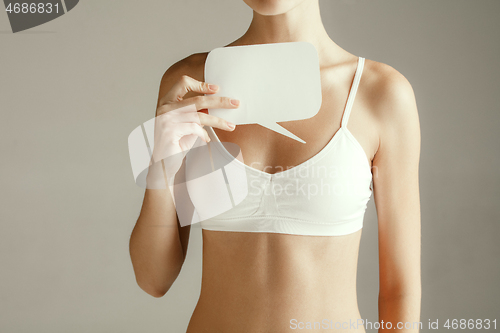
x: 272, y: 7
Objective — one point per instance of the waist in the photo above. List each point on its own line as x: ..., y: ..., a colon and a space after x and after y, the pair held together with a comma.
x: 269, y: 280
x: 276, y: 317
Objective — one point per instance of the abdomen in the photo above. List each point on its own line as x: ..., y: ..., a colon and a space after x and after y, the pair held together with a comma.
x: 264, y: 282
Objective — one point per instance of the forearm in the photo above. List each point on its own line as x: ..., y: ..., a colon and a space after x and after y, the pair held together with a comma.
x: 401, y: 311
x: 155, y: 247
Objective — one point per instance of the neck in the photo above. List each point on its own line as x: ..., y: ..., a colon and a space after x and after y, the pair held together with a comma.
x: 302, y: 23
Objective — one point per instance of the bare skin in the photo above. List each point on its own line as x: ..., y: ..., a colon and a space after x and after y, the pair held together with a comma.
x: 259, y: 282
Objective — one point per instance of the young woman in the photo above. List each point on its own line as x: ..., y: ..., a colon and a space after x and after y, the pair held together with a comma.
x: 296, y: 261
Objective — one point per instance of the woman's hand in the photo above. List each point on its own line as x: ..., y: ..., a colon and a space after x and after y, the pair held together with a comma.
x: 179, y: 123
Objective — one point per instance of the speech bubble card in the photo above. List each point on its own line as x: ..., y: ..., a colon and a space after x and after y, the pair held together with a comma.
x: 274, y: 83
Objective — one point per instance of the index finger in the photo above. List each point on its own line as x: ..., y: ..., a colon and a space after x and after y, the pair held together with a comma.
x: 184, y: 85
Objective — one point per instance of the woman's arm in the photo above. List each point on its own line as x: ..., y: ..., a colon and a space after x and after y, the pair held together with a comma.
x: 397, y: 200
x: 158, y: 243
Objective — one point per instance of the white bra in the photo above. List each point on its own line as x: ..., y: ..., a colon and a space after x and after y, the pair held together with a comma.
x: 326, y: 195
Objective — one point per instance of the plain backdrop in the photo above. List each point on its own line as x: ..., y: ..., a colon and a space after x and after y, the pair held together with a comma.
x: 72, y: 90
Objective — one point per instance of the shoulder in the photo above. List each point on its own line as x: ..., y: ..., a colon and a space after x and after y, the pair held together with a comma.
x: 387, y: 90
x: 391, y: 100
x: 192, y: 65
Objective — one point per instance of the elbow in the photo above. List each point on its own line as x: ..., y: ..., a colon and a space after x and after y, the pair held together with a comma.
x: 155, y: 286
x: 157, y: 295
x: 153, y: 289
x: 152, y: 277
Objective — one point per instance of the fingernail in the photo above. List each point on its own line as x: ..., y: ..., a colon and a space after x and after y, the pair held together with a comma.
x: 213, y: 87
x: 235, y: 102
x: 231, y: 125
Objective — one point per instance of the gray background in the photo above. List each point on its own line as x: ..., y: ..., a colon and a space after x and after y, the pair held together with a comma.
x: 74, y: 88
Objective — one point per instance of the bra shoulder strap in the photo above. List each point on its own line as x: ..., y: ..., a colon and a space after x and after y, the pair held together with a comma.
x: 352, y: 92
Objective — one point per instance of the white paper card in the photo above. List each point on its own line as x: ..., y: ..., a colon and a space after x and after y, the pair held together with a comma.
x: 274, y: 82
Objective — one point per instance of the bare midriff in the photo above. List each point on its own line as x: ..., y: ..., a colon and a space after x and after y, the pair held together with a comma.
x: 267, y: 282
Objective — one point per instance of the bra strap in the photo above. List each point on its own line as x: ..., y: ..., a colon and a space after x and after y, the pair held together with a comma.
x: 352, y: 92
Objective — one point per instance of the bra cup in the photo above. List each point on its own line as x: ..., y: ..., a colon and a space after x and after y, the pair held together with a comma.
x: 331, y: 190
x: 216, y: 190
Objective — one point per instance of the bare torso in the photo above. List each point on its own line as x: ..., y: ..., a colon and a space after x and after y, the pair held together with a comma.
x: 263, y: 282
